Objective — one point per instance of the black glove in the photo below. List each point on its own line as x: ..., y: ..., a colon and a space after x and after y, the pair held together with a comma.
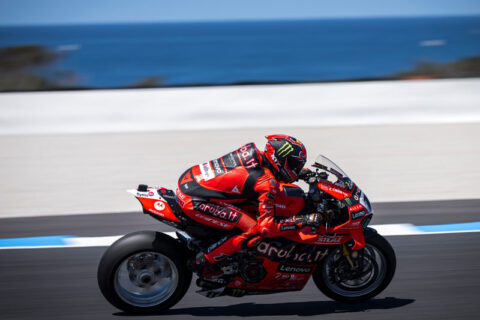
x: 312, y: 220
x: 305, y: 173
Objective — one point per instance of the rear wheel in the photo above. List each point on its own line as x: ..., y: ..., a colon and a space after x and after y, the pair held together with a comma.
x: 373, y: 270
x: 144, y: 272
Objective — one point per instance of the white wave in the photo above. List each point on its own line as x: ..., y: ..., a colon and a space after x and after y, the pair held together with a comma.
x: 69, y: 47
x: 433, y: 43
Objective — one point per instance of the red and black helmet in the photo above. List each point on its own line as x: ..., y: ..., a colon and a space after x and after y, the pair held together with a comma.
x: 287, y: 155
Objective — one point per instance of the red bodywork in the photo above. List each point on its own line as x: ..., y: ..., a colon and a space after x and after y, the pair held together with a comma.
x: 290, y: 261
x: 155, y: 204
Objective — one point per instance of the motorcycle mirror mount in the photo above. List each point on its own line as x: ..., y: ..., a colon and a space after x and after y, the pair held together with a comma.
x: 323, y: 175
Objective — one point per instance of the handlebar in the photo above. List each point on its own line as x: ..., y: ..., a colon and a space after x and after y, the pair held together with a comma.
x: 305, y: 174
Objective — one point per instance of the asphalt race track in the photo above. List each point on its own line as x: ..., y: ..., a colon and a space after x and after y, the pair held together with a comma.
x: 437, y: 275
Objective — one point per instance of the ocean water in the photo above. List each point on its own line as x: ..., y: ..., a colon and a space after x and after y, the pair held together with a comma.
x: 249, y: 51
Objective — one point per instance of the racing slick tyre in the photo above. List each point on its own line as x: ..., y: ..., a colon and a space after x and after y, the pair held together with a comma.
x: 144, y: 272
x: 373, y: 270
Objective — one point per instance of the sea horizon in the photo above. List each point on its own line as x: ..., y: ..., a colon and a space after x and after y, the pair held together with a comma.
x: 246, y: 52
x: 208, y: 21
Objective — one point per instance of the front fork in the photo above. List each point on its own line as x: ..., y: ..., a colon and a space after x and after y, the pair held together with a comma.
x: 346, y: 254
x: 350, y: 254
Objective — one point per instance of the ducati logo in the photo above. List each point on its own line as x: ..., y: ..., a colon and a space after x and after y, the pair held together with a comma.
x: 235, y: 190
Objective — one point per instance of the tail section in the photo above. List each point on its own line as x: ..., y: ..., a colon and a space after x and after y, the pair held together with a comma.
x: 160, y: 203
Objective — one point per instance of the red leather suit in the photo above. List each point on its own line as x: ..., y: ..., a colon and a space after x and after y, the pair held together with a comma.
x: 220, y: 194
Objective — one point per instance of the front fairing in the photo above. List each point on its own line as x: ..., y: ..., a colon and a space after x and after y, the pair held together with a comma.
x: 332, y: 178
x: 354, y: 207
x: 334, y: 181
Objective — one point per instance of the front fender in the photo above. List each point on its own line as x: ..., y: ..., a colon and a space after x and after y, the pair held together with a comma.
x: 369, y: 232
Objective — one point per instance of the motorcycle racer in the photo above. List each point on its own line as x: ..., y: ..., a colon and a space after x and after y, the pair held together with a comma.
x: 220, y: 193
x: 150, y: 271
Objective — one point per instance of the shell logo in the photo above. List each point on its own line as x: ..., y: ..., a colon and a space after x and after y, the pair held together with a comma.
x: 159, y: 205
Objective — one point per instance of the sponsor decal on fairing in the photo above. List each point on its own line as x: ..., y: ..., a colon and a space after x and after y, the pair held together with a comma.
x: 288, y: 228
x: 330, y: 239
x: 159, y: 205
x: 330, y: 189
x: 355, y: 208
x: 356, y: 215
x: 292, y: 253
x: 293, y: 269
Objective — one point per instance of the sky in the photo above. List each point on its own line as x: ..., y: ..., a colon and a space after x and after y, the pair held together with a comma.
x: 28, y: 12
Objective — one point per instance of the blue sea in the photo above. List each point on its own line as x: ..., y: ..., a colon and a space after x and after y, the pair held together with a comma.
x: 117, y: 55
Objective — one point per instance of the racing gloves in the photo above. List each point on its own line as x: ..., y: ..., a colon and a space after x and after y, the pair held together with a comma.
x: 311, y: 220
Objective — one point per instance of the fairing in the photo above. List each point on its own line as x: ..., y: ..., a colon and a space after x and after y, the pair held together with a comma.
x: 335, y: 175
x: 157, y: 202
x: 289, y: 261
x: 353, y: 203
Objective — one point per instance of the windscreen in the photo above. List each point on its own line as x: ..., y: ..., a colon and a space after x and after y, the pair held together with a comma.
x: 334, y: 174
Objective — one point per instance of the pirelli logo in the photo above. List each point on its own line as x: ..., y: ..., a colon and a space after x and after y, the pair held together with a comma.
x: 285, y: 150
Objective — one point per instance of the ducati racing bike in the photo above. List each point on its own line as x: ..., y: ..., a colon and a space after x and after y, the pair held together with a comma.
x: 150, y: 271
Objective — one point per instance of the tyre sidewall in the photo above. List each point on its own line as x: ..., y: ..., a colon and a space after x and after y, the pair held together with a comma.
x: 134, y: 243
x: 385, y: 248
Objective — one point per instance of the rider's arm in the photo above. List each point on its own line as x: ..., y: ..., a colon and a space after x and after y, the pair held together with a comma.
x: 268, y: 225
x: 267, y: 188
x: 283, y: 226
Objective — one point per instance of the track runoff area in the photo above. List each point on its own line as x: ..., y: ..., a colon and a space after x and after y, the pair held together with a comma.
x: 72, y: 241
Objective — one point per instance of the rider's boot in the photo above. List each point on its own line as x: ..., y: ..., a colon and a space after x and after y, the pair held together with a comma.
x: 206, y: 264
x: 210, y: 275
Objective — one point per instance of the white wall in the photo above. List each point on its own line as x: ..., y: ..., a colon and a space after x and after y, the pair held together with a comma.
x: 87, y: 172
x: 297, y: 105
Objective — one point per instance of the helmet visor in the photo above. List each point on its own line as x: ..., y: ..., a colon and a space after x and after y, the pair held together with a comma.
x: 294, y: 166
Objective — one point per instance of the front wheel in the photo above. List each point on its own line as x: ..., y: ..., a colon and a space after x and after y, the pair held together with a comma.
x: 144, y: 272
x: 373, y: 270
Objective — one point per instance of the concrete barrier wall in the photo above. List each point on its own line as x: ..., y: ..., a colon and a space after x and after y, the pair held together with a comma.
x: 285, y: 106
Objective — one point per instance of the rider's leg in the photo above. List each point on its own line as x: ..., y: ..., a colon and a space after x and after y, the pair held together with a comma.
x: 221, y: 216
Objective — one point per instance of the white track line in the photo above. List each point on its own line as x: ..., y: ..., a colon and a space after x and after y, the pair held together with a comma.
x: 403, y: 229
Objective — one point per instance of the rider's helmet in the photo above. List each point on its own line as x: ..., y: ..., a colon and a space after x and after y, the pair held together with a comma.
x: 287, y: 155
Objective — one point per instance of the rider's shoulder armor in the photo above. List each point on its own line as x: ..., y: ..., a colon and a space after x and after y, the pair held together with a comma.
x: 210, y: 179
x: 247, y: 156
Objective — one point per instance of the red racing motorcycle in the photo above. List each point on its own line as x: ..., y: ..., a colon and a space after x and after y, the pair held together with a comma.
x: 151, y: 271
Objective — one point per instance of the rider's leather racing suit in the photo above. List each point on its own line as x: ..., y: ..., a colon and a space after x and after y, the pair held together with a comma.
x: 216, y: 194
